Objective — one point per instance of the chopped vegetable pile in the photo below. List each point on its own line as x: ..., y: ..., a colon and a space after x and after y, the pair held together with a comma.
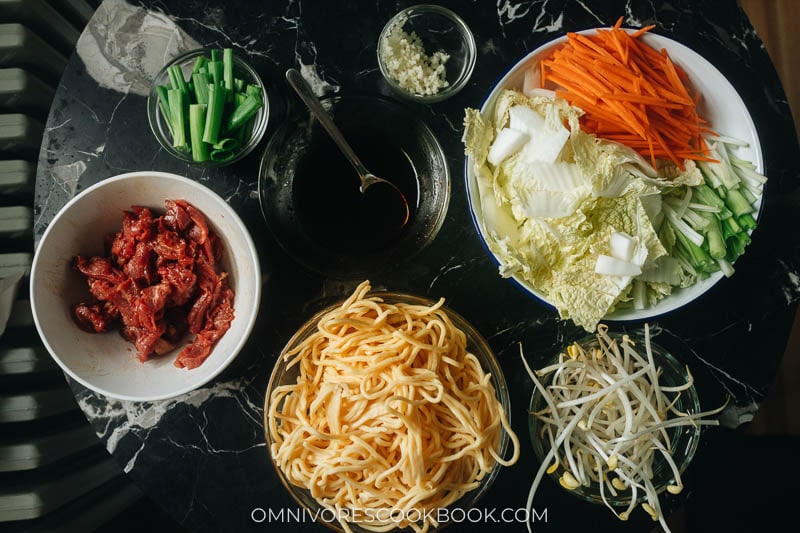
x: 607, y: 420
x: 590, y: 224
x: 630, y: 93
x: 211, y: 116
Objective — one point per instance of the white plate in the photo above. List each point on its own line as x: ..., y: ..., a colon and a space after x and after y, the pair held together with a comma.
x: 105, y: 362
x: 720, y: 104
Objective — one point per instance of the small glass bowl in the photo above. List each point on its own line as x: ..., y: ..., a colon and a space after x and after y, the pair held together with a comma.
x: 683, y: 439
x: 440, y: 30
x: 158, y: 126
x: 476, y: 344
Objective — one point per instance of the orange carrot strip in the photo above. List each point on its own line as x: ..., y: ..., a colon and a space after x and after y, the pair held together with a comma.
x: 571, y: 88
x: 640, y: 99
x: 642, y: 31
x: 630, y: 93
x: 542, y: 72
x: 652, y: 153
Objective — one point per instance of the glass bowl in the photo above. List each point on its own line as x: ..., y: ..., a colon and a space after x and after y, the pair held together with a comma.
x: 284, y: 375
x: 302, y: 172
x: 161, y: 131
x: 438, y: 30
x: 683, y: 439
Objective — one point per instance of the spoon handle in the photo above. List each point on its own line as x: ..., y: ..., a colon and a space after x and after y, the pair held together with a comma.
x: 303, y: 89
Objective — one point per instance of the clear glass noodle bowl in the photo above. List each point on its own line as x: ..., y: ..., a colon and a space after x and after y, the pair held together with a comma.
x: 242, y: 70
x: 683, y: 439
x: 439, y: 29
x: 476, y: 344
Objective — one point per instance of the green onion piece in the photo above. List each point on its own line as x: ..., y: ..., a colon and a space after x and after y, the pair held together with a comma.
x: 216, y: 69
x: 736, y: 246
x: 176, y: 107
x: 254, y: 90
x: 245, y: 131
x: 176, y: 77
x: 243, y: 111
x: 197, y: 119
x: 714, y: 238
x: 737, y: 203
x: 163, y: 104
x: 730, y: 227
x: 173, y: 83
x: 228, y: 143
x: 747, y: 222
x: 216, y: 106
x: 200, y: 64
x: 697, y: 256
x: 221, y: 155
x: 238, y: 99
x: 200, y: 87
x: 227, y: 64
x: 238, y: 85
x: 215, y: 55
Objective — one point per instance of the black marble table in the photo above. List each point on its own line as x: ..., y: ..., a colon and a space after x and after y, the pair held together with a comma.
x: 202, y: 456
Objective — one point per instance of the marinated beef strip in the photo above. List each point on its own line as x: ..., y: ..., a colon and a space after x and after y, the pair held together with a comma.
x: 160, y: 280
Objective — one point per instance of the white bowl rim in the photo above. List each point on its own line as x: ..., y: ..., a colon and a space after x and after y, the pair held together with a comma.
x: 668, y: 304
x: 253, y: 256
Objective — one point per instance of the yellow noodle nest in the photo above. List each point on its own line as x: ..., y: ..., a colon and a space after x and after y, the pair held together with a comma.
x: 390, y: 413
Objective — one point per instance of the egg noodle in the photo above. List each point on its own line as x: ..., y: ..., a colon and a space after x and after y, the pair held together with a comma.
x: 390, y: 413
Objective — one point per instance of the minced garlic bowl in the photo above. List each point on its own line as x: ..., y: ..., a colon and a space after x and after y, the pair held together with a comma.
x: 426, y: 53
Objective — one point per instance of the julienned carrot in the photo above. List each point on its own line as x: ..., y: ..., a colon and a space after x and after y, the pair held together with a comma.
x: 630, y: 93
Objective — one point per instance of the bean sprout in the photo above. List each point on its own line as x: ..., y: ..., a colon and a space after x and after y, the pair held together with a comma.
x: 606, y: 417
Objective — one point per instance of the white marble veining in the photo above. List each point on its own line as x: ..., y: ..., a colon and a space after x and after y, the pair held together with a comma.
x: 125, y: 419
x: 67, y: 176
x: 121, y: 63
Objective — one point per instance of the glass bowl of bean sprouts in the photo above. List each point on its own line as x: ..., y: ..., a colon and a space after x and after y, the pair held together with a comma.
x: 617, y: 408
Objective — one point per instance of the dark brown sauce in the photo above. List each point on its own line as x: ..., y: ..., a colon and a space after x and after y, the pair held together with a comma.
x: 330, y: 205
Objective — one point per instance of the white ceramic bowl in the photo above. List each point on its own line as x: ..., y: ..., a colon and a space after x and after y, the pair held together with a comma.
x: 719, y: 103
x: 105, y: 362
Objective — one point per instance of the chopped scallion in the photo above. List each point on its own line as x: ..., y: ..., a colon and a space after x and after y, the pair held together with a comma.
x: 212, y: 114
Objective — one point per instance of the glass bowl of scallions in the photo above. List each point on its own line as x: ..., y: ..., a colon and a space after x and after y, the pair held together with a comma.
x: 208, y: 107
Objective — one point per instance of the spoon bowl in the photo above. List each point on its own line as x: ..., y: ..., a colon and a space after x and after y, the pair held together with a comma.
x: 390, y: 193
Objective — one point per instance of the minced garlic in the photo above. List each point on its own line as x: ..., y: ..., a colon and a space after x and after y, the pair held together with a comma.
x: 409, y: 65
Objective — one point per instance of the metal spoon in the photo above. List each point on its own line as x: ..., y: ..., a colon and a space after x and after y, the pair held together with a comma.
x: 368, y: 179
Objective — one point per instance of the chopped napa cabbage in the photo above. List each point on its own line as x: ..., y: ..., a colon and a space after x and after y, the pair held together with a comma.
x: 523, y: 118
x: 507, y: 143
x: 549, y: 221
x: 612, y: 266
x: 622, y: 245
